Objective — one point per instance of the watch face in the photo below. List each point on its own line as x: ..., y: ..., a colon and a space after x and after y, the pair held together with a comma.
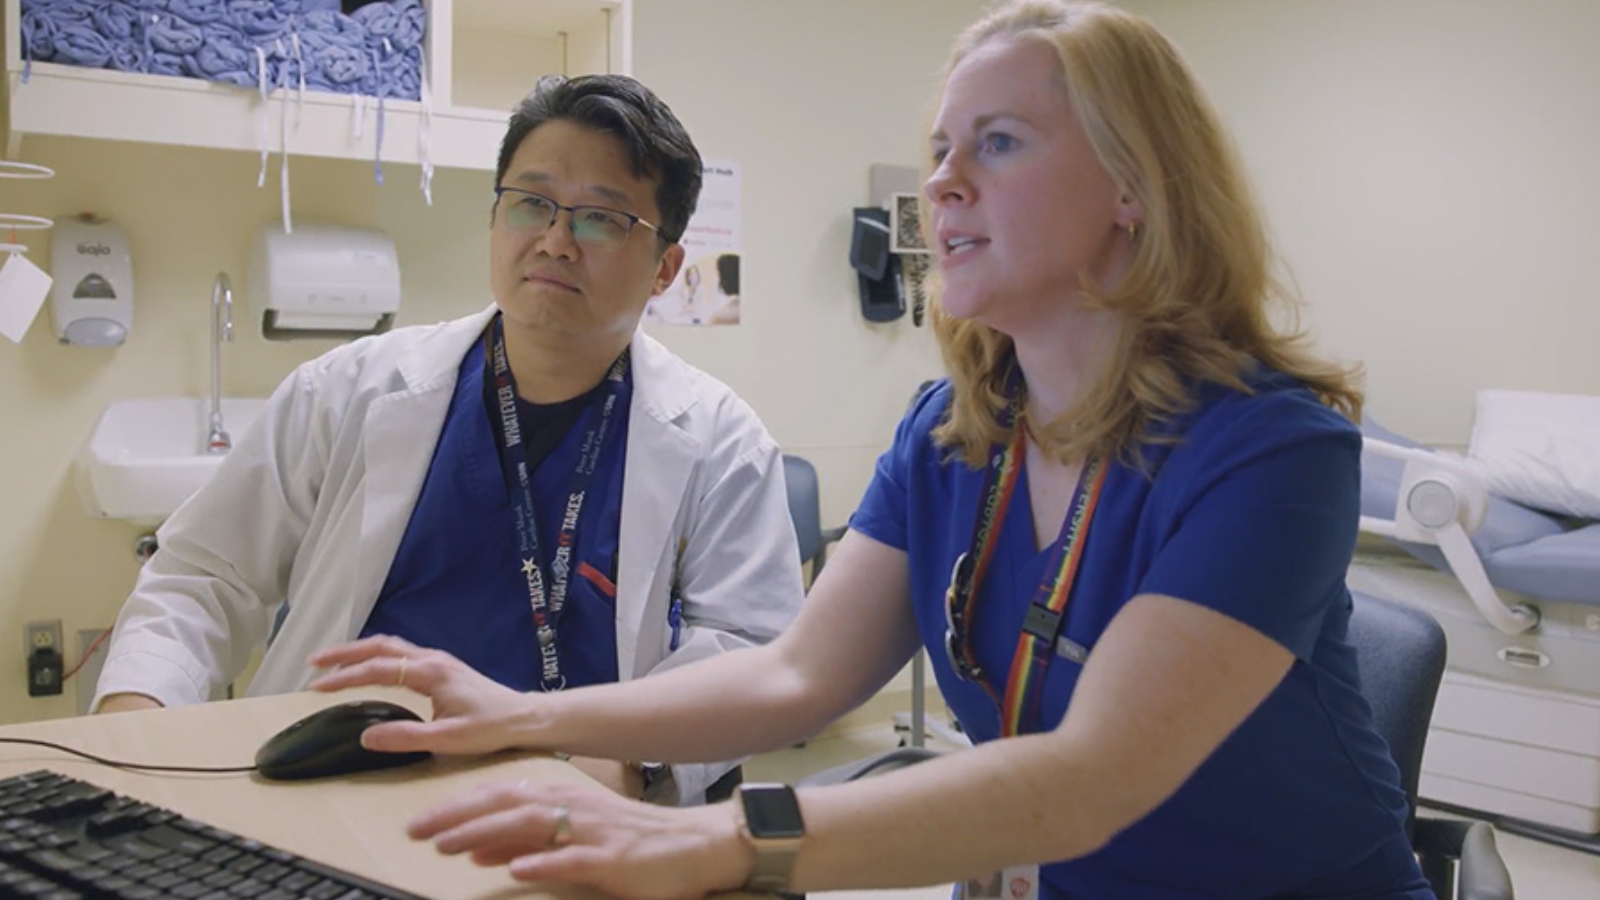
x: 771, y: 811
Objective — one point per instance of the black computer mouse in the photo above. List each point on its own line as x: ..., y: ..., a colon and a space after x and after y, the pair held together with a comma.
x: 328, y: 742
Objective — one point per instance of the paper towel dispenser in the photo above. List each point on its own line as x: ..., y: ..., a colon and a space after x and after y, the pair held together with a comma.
x: 324, y: 281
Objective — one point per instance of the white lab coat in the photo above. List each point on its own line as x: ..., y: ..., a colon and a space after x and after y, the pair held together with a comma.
x: 310, y: 506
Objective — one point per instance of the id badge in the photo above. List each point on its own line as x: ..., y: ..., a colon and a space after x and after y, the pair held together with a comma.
x: 1014, y: 883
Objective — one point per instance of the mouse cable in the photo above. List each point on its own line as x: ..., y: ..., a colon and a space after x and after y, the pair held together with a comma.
x: 117, y: 764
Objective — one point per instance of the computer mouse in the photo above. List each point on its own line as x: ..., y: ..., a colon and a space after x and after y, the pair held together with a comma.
x: 328, y: 742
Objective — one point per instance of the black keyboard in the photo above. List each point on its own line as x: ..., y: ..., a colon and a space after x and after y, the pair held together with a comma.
x: 64, y: 839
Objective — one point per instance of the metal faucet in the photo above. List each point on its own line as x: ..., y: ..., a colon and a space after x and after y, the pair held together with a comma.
x: 218, y: 441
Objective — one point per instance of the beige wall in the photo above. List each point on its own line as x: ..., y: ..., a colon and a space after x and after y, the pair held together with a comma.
x: 806, y: 96
x: 1429, y: 170
x: 792, y: 90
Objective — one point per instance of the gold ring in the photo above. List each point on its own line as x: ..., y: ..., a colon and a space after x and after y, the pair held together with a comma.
x: 401, y: 681
x: 563, y: 832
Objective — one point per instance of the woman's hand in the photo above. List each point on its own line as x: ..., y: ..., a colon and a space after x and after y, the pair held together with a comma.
x: 568, y: 834
x: 471, y: 713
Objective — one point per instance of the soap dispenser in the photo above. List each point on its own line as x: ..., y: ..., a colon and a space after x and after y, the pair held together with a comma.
x: 91, y: 300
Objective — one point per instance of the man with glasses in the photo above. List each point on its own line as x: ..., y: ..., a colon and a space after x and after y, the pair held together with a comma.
x: 539, y: 489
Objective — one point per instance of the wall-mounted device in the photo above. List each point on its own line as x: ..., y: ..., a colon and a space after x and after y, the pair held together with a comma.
x: 91, y: 300
x: 877, y: 269
x: 324, y: 281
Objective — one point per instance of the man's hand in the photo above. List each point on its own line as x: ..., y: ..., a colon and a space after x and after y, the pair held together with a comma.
x: 116, y: 703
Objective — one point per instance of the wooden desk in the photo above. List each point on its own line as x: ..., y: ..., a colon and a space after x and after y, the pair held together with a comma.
x: 356, y: 822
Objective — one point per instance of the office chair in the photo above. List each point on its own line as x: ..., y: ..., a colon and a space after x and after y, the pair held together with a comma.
x: 1400, y: 652
x: 805, y: 509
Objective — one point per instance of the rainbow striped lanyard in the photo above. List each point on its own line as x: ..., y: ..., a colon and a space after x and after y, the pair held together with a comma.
x: 1041, y: 627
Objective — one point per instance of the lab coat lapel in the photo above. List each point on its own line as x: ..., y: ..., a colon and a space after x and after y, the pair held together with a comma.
x: 660, y: 461
x: 398, y: 440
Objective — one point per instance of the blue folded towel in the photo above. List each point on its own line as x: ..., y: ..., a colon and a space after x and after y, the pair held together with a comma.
x: 162, y: 63
x: 402, y: 75
x: 117, y: 21
x: 81, y: 45
x: 320, y: 29
x: 38, y: 35
x: 336, y: 67
x: 67, y: 12
x: 225, y: 55
x: 401, y: 21
x: 170, y: 34
x: 260, y: 19
x: 129, y: 56
x: 197, y: 12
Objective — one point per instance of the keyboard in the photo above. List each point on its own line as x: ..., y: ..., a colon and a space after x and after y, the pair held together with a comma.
x: 65, y: 839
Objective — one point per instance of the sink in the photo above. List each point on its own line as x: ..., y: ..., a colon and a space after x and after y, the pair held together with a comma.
x: 147, y: 456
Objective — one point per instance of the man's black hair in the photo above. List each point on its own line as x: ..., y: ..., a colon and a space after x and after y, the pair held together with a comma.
x: 656, y: 142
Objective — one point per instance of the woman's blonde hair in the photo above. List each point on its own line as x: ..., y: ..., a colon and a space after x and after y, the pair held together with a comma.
x: 1195, y: 299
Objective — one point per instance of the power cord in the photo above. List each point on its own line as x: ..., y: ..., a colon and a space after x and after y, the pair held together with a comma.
x: 118, y: 764
x: 87, y: 654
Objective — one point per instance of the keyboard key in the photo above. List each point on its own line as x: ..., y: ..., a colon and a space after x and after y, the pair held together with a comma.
x: 91, y: 852
x: 220, y: 855
x: 173, y: 839
x: 271, y: 873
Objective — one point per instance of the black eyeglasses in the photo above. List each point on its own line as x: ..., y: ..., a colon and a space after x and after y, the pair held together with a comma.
x: 525, y: 212
x: 957, y: 637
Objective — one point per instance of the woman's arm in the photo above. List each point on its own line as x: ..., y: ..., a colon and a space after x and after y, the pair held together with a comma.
x: 1167, y: 682
x: 853, y: 633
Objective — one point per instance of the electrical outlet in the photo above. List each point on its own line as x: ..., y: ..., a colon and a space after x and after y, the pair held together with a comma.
x: 45, y: 659
x: 44, y: 634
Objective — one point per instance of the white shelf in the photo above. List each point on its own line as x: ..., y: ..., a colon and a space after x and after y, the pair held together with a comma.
x: 184, y: 111
x: 72, y: 101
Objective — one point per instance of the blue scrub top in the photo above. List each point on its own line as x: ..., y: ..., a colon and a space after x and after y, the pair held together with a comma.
x: 456, y: 583
x: 1252, y: 514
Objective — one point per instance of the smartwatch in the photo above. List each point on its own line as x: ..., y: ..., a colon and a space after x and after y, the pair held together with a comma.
x: 770, y: 822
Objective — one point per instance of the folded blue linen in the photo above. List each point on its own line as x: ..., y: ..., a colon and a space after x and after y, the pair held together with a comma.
x: 81, y: 45
x: 259, y: 19
x: 170, y: 34
x: 197, y: 12
x: 117, y: 21
x: 225, y: 55
x: 402, y: 22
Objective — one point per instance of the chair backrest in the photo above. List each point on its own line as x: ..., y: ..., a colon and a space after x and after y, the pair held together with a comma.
x: 1400, y: 651
x: 805, y: 505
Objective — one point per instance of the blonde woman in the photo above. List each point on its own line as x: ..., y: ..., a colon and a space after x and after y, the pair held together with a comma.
x: 1120, y: 529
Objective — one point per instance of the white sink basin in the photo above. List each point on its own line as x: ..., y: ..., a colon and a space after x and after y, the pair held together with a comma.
x: 147, y: 456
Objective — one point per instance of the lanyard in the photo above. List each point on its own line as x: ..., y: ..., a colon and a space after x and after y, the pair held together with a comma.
x: 1036, y: 645
x: 506, y: 420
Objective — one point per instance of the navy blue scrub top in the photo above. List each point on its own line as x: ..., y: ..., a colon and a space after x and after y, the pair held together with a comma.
x: 1254, y: 515
x: 456, y: 583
